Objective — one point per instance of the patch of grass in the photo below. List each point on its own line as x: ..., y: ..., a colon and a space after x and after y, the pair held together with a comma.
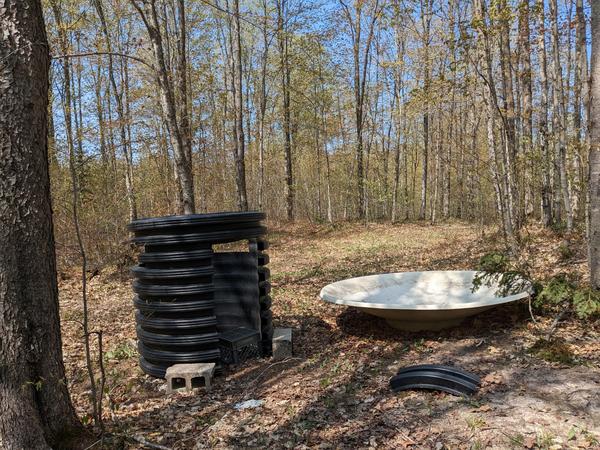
x: 565, y: 251
x: 329, y: 402
x: 516, y: 440
x: 206, y: 420
x: 555, y: 350
x: 121, y: 352
x: 477, y: 445
x: 351, y: 388
x: 325, y: 382
x: 308, y: 424
x: 590, y: 438
x: 545, y: 439
x: 291, y: 410
x: 475, y: 422
x: 470, y: 402
x: 419, y: 346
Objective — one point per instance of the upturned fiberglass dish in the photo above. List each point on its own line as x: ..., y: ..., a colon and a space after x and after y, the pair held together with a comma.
x: 419, y: 300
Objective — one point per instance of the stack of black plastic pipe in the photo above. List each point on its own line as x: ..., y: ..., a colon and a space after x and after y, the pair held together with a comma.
x: 264, y: 300
x: 176, y: 294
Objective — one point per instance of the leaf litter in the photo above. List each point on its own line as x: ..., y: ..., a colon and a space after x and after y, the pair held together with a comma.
x: 334, y: 393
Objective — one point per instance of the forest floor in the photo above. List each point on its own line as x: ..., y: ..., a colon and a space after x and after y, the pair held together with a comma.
x: 334, y: 391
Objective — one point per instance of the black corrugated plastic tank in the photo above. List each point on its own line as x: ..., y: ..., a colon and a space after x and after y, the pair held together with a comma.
x: 186, y: 294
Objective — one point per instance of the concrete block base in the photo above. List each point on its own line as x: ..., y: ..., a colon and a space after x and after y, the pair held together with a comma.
x: 187, y: 377
x: 282, y: 343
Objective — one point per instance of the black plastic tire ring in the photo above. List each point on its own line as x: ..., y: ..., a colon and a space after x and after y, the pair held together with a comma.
x: 165, y: 257
x: 173, y: 306
x: 175, y: 357
x: 146, y: 273
x: 195, y: 219
x: 265, y: 302
x: 150, y: 338
x: 264, y: 288
x: 214, y: 237
x: 263, y: 259
x: 264, y: 274
x: 157, y: 290
x: 262, y: 245
x: 169, y: 323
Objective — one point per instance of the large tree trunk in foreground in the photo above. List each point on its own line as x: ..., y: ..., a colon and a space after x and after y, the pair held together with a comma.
x: 35, y: 404
x: 594, y: 175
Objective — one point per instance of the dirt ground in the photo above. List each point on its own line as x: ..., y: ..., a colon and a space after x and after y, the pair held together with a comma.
x: 334, y: 391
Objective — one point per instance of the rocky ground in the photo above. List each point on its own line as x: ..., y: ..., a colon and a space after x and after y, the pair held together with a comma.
x: 334, y: 392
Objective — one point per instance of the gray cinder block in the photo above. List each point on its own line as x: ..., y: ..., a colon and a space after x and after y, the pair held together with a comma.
x: 282, y: 343
x: 185, y: 377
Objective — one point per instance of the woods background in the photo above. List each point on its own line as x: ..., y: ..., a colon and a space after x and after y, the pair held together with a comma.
x: 320, y: 111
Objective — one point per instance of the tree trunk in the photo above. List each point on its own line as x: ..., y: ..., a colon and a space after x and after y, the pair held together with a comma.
x: 262, y: 110
x: 525, y: 79
x: 426, y: 16
x: 580, y: 93
x: 425, y: 161
x: 238, y: 105
x: 149, y: 16
x: 400, y: 125
x: 118, y: 96
x: 285, y: 88
x: 547, y: 213
x: 182, y: 86
x: 326, y: 153
x: 594, y: 158
x: 359, y: 85
x: 500, y: 161
x: 508, y: 117
x: 558, y: 114
x: 36, y: 408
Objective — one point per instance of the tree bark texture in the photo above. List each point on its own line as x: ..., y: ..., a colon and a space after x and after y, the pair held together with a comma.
x: 238, y: 102
x: 594, y: 157
x: 35, y: 404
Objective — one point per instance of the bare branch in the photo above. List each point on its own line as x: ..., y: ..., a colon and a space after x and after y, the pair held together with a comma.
x: 85, y: 54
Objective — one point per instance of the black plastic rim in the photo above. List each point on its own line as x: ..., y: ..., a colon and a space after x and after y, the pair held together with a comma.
x: 432, y: 377
x: 195, y: 219
x: 185, y: 340
x: 450, y: 370
x: 154, y: 370
x: 173, y: 306
x: 265, y: 288
x: 158, y: 290
x: 176, y: 357
x: 163, y: 257
x: 170, y: 323
x: 264, y: 274
x: 214, y: 237
x: 265, y: 302
x: 146, y: 273
x: 263, y: 259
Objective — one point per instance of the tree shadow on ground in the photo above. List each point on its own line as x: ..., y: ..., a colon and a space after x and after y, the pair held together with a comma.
x: 354, y: 322
x: 361, y: 411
